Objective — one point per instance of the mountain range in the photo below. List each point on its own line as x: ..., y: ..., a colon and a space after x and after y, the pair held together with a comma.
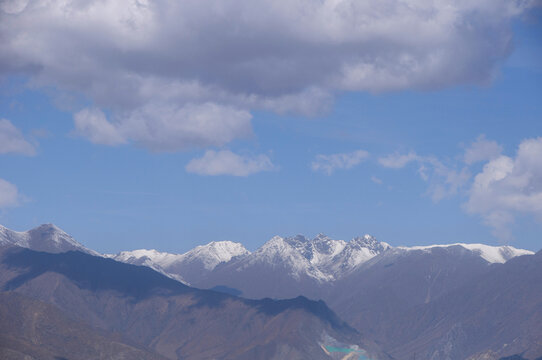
x: 450, y: 302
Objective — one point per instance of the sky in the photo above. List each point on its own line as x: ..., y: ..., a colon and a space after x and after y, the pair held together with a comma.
x: 169, y: 124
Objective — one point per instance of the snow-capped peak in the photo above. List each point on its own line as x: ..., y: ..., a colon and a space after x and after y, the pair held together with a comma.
x: 184, y: 267
x: 492, y: 254
x: 215, y: 252
x: 322, y: 258
x: 140, y: 255
x: 288, y: 253
x: 369, y: 242
x: 46, y: 237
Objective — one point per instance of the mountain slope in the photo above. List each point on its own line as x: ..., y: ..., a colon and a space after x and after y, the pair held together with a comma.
x: 495, y: 315
x: 172, y: 319
x: 32, y: 328
x: 388, y: 285
x: 286, y: 267
x: 291, y: 266
x: 378, y: 292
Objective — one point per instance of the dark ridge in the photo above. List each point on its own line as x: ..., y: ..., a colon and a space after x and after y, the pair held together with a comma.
x: 139, y: 282
x: 318, y: 308
x: 226, y: 290
x: 91, y: 272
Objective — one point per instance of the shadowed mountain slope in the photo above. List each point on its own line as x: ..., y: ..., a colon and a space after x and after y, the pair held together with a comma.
x: 32, y: 329
x: 172, y: 319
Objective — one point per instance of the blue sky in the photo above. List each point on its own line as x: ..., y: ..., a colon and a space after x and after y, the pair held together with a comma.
x: 376, y: 156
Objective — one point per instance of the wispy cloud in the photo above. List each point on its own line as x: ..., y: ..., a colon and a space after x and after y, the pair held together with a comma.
x: 329, y: 163
x: 482, y: 150
x: 9, y: 194
x: 397, y: 161
x: 505, y: 188
x: 225, y: 162
x: 13, y: 141
x: 443, y: 181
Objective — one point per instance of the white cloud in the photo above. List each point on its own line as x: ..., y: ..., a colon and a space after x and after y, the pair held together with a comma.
x: 131, y: 57
x: 329, y: 163
x: 93, y: 124
x: 507, y: 187
x: 376, y: 180
x: 447, y: 182
x: 398, y: 161
x: 482, y: 150
x: 9, y: 194
x: 225, y: 162
x: 444, y: 181
x: 13, y: 141
x: 166, y: 127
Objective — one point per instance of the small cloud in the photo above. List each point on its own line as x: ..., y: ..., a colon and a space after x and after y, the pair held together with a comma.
x: 329, y: 163
x: 93, y: 124
x: 447, y: 182
x: 398, y: 161
x: 482, y: 150
x: 376, y: 180
x: 225, y: 162
x: 13, y: 141
x: 9, y: 194
x: 443, y: 181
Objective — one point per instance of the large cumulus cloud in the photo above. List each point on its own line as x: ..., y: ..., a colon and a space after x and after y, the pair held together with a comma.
x: 161, y: 65
x: 508, y: 187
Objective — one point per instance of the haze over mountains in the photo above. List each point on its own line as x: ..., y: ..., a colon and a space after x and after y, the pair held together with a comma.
x: 459, y: 301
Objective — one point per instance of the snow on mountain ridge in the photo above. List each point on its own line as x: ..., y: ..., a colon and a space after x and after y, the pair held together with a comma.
x: 492, y: 254
x: 46, y: 237
x: 139, y: 255
x: 203, y: 258
x: 356, y: 252
x: 321, y: 258
x: 286, y: 253
x: 215, y: 252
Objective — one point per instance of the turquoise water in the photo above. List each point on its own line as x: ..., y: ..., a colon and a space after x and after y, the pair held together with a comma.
x: 336, y: 349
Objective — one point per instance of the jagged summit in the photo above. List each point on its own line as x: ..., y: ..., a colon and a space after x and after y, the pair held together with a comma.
x: 320, y: 258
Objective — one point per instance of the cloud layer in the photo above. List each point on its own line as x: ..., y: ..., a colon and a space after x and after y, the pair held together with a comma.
x: 178, y: 74
x: 225, y: 162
